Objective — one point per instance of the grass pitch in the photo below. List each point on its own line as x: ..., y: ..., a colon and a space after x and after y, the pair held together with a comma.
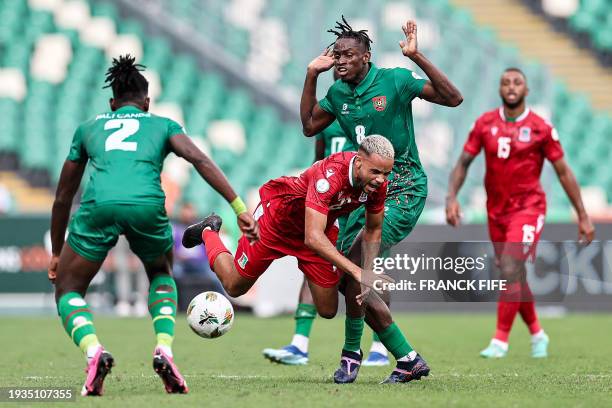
x: 231, y: 372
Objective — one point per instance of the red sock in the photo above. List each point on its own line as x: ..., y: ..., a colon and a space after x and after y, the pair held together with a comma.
x: 528, y: 311
x: 507, y: 308
x: 214, y: 246
x: 506, y: 312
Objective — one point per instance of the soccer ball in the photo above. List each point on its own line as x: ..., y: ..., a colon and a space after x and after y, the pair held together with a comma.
x: 210, y: 315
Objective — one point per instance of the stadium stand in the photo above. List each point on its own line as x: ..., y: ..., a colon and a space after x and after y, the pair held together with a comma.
x: 589, y: 22
x: 227, y: 120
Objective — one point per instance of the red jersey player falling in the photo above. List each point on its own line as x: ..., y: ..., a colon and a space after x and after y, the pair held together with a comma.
x: 515, y: 142
x: 297, y: 217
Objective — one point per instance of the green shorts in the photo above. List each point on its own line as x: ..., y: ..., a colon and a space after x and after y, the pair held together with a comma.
x: 401, y: 215
x: 94, y: 230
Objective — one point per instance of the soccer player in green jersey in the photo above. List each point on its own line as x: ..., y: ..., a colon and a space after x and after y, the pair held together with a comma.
x: 368, y: 100
x: 125, y: 149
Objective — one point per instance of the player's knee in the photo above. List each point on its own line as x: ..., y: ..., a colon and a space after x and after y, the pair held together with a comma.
x: 327, y: 312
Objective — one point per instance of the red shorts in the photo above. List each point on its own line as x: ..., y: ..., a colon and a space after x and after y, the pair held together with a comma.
x: 517, y: 234
x: 251, y: 261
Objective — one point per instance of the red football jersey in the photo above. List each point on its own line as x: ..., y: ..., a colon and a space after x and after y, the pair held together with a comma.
x: 514, y: 156
x: 327, y: 187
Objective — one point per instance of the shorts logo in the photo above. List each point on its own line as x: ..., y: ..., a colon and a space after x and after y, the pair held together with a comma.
x: 380, y: 103
x: 243, y: 260
x: 322, y: 186
x: 524, y: 134
x: 363, y: 198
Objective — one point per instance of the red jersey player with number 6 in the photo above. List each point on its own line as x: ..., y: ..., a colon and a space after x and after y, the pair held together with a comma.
x: 515, y: 141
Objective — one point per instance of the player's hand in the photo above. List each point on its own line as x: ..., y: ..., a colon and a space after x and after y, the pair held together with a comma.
x: 323, y: 62
x: 52, y: 270
x: 453, y: 212
x: 586, y: 230
x: 409, y: 45
x: 248, y: 226
x: 362, y: 298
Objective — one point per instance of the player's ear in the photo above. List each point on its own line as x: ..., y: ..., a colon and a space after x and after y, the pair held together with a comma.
x: 366, y: 57
x: 111, y: 102
x: 145, y: 105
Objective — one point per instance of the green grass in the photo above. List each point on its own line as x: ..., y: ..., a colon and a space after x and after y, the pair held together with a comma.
x: 230, y: 371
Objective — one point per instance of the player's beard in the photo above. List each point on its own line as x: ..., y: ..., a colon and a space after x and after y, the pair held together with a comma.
x: 514, y: 105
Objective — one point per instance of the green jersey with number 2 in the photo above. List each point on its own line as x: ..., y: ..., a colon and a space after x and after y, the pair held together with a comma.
x: 126, y: 150
x: 381, y: 104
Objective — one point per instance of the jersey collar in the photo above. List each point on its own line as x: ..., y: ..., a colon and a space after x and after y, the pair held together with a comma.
x: 367, y: 81
x: 350, y: 173
x: 129, y: 108
x: 521, y: 117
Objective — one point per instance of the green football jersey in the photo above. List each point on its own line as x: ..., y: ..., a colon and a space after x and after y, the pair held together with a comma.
x: 126, y: 150
x: 335, y: 140
x: 381, y: 104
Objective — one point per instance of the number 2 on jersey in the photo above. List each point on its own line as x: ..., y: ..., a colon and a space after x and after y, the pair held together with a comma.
x: 115, y: 141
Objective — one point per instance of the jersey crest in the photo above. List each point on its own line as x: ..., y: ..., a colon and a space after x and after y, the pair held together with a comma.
x: 524, y: 134
x: 380, y: 103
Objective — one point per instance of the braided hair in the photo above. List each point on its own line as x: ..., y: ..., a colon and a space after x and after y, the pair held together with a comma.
x: 125, y: 79
x: 343, y: 29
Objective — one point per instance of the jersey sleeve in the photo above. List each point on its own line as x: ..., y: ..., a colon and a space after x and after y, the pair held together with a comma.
x: 408, y: 83
x: 473, y: 144
x: 377, y: 203
x: 552, y: 146
x: 321, y: 190
x: 175, y: 129
x: 327, y: 103
x: 77, y: 151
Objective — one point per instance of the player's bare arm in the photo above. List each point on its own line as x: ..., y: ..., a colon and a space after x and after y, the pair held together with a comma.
x: 586, y: 230
x: 455, y: 181
x: 314, y: 119
x: 316, y: 240
x: 69, y: 182
x: 183, y: 147
x: 439, y: 89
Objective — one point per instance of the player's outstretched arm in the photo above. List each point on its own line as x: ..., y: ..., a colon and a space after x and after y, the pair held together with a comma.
x: 315, y: 119
x: 455, y: 181
x: 69, y: 182
x: 183, y: 147
x: 586, y: 231
x: 316, y: 240
x: 439, y: 89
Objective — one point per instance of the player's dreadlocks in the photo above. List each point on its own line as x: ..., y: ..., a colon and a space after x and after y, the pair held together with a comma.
x: 344, y: 30
x: 125, y: 79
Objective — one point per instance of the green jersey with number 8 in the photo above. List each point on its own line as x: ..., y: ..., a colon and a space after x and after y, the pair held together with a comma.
x: 381, y: 104
x: 126, y: 149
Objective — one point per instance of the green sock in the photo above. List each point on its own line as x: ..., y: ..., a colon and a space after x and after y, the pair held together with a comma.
x: 162, y: 307
x: 353, y: 329
x: 375, y: 337
x: 77, y: 320
x: 394, y: 340
x: 304, y: 317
